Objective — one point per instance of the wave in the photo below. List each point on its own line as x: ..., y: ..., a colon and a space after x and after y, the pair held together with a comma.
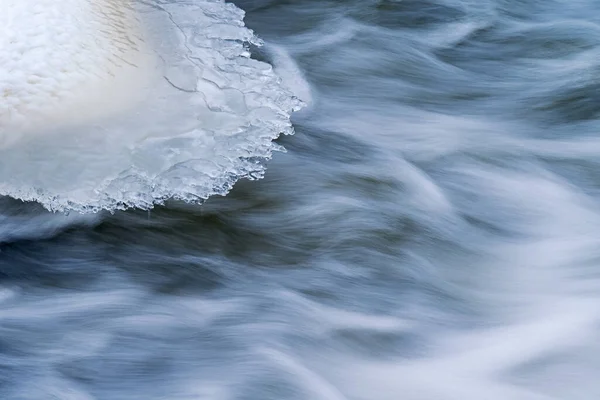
x: 207, y: 116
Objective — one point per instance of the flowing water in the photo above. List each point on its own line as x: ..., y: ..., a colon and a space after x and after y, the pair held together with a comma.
x: 432, y: 231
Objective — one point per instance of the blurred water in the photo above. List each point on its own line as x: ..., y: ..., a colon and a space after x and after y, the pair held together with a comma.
x: 431, y: 233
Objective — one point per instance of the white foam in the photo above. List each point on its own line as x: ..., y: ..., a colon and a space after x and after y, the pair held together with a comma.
x: 290, y: 73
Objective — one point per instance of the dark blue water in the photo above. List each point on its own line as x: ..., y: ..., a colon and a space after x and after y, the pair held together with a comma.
x: 431, y: 233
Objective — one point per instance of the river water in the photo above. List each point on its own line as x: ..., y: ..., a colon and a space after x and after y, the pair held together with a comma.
x: 432, y: 231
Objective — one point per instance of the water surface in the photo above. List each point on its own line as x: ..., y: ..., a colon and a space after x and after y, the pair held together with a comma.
x: 431, y: 233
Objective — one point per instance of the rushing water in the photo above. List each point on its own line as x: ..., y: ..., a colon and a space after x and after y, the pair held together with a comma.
x: 431, y: 233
